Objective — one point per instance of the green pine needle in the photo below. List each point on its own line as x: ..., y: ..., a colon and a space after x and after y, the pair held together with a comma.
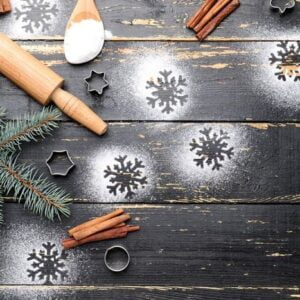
x: 2, y: 112
x: 1, y: 208
x: 27, y: 128
x: 23, y: 181
x: 41, y: 197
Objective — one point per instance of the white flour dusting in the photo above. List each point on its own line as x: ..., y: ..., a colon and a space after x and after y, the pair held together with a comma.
x: 38, y: 19
x: 186, y: 169
x: 83, y: 41
x: 266, y: 84
x: 144, y: 65
x: 108, y: 35
x: 95, y: 185
x: 148, y: 68
x: 19, y: 241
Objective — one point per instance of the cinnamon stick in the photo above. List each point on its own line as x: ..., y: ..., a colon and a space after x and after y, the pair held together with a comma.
x: 114, y: 233
x: 85, y: 232
x: 117, y: 226
x: 115, y: 213
x: 200, y: 13
x: 211, y: 26
x: 5, y: 6
x: 213, y: 12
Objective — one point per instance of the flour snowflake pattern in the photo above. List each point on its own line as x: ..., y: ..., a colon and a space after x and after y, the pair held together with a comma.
x: 47, y: 264
x: 211, y: 148
x: 287, y: 60
x: 36, y: 14
x: 126, y: 176
x: 167, y: 92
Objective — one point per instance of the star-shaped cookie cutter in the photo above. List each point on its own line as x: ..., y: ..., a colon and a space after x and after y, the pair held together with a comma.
x: 52, y: 157
x: 282, y: 5
x: 88, y: 80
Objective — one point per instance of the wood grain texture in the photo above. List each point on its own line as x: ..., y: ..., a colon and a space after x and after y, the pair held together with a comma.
x: 263, y: 166
x: 219, y: 81
x: 159, y: 19
x: 185, y: 250
x: 216, y: 246
x: 148, y: 293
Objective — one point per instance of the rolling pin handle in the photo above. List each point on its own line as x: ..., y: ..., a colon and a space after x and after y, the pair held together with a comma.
x: 77, y: 110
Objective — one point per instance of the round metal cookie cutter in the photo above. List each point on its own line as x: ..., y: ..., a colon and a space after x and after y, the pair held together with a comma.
x: 117, y: 258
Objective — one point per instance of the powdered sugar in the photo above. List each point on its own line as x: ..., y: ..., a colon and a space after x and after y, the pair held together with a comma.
x: 83, y: 41
x: 97, y: 185
x: 33, y: 19
x: 141, y: 65
x: 266, y: 84
x: 186, y: 167
x: 19, y: 240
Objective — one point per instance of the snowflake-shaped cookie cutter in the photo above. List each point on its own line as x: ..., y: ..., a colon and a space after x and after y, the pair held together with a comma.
x: 89, y: 82
x: 47, y: 264
x: 282, y: 5
x: 125, y: 176
x: 167, y: 92
x: 287, y: 60
x: 51, y: 158
x: 211, y: 149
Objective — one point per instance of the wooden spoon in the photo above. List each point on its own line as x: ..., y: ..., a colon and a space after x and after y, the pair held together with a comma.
x: 84, y: 36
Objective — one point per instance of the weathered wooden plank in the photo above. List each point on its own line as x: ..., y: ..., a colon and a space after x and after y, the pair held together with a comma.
x: 149, y: 293
x: 250, y: 163
x: 159, y: 19
x: 215, y: 81
x: 216, y: 246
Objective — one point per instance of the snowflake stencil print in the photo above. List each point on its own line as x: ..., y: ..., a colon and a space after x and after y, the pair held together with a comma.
x: 126, y: 176
x: 211, y: 148
x: 167, y: 92
x: 36, y: 15
x: 47, y: 264
x: 287, y: 60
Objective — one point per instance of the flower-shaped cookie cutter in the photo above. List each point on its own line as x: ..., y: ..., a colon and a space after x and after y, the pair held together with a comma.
x: 282, y: 5
x: 100, y: 76
x: 51, y: 159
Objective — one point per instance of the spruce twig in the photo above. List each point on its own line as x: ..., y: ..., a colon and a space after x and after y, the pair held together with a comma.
x: 39, y: 196
x: 27, y: 128
x: 1, y: 208
x: 2, y: 112
x: 22, y: 180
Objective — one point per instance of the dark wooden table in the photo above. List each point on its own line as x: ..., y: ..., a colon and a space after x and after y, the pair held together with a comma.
x: 224, y: 228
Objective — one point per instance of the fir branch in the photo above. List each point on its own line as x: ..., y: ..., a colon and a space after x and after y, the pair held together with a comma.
x: 1, y: 208
x: 27, y: 128
x: 39, y: 196
x: 2, y: 112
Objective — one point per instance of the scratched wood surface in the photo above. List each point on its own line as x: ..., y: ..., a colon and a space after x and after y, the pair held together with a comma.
x: 150, y: 19
x: 222, y: 81
x: 150, y: 292
x: 215, y: 225
x: 254, y: 168
x: 215, y: 250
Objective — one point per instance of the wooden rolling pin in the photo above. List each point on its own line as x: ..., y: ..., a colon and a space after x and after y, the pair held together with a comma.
x: 43, y: 84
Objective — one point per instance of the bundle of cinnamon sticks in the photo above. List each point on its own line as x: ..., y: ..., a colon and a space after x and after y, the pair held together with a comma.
x: 110, y: 226
x: 5, y: 6
x: 209, y: 15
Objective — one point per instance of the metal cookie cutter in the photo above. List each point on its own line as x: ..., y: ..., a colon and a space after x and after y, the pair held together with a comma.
x: 282, y: 5
x: 51, y: 159
x: 94, y: 80
x: 117, y: 258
